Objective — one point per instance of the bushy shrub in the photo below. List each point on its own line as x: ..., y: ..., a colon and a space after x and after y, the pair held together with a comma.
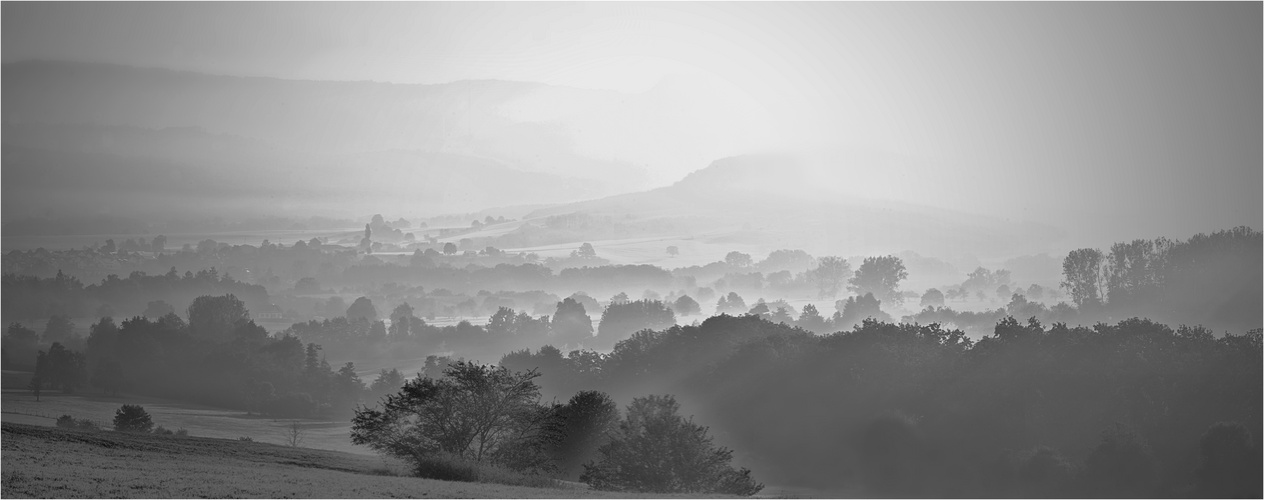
x: 69, y: 422
x: 448, y: 467
x: 66, y: 421
x: 445, y: 467
x: 132, y: 418
x: 488, y: 473
x: 162, y: 431
x: 247, y: 439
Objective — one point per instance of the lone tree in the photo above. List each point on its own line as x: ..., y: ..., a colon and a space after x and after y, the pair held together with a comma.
x: 216, y: 317
x: 880, y: 276
x: 1082, y: 276
x: 475, y: 412
x: 36, y: 386
x: 655, y: 450
x: 362, y: 308
x: 830, y: 275
x: 933, y: 297
x: 586, y: 251
x: 686, y: 306
x: 621, y: 319
x: 132, y: 418
x: 571, y: 322
x: 738, y: 259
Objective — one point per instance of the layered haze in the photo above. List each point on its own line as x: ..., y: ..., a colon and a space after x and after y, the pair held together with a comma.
x: 984, y: 109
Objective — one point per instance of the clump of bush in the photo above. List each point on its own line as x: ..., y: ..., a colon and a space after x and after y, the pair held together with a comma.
x: 68, y: 422
x: 448, y: 467
x: 132, y: 418
x: 445, y: 468
x: 163, y: 431
x: 247, y: 439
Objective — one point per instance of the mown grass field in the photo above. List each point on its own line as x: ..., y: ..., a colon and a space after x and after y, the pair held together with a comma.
x: 48, y: 462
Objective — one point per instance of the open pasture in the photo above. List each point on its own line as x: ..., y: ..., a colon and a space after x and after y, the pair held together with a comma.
x: 201, y: 421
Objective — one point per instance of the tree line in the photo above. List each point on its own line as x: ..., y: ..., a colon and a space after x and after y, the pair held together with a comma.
x: 1209, y: 278
x: 64, y: 295
x: 219, y: 356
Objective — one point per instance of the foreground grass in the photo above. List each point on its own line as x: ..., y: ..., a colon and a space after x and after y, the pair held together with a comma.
x: 45, y: 462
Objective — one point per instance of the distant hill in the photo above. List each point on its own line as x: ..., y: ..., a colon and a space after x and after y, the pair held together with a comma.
x: 187, y: 172
x: 769, y: 201
x: 442, y: 143
x: 605, y: 136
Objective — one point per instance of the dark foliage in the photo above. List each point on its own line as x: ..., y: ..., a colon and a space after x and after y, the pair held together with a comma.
x: 19, y: 346
x: 686, y: 306
x: 655, y: 450
x: 1121, y: 466
x: 61, y: 368
x: 621, y: 319
x: 968, y: 408
x: 132, y: 418
x: 571, y: 323
x: 587, y: 420
x: 237, y: 366
x: 1229, y: 463
x: 33, y: 297
x: 474, y: 412
x: 1208, y: 279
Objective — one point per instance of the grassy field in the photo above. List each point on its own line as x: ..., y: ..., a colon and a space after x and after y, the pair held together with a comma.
x: 46, y: 462
x: 43, y: 461
x: 202, y: 421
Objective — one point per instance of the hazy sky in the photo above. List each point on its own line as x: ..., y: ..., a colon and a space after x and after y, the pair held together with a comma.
x: 1141, y: 117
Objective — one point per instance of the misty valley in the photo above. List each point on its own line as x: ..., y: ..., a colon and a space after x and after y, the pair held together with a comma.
x: 631, y: 249
x: 810, y: 374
